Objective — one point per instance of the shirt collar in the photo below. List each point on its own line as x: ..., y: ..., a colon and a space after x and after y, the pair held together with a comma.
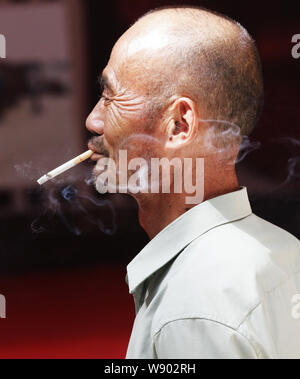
x: 181, y: 232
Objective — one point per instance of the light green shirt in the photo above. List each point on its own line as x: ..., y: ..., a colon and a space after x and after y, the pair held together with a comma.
x: 218, y: 282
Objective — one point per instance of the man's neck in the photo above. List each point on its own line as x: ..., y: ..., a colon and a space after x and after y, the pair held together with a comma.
x: 157, y: 211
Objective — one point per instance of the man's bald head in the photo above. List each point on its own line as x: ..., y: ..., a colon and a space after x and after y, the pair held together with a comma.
x: 194, y: 52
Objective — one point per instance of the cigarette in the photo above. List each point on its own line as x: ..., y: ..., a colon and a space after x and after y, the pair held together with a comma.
x: 66, y: 166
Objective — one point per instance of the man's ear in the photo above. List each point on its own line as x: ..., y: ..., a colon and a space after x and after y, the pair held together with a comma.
x: 183, y: 123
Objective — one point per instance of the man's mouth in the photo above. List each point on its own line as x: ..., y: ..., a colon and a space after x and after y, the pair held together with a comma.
x: 96, y: 145
x: 96, y: 156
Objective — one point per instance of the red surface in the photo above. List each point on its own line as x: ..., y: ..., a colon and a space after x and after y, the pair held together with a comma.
x: 85, y: 313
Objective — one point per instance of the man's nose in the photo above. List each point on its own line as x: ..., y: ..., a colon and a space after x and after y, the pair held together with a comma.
x: 95, y: 122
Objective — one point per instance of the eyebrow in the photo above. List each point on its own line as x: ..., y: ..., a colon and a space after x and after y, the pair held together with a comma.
x: 105, y: 83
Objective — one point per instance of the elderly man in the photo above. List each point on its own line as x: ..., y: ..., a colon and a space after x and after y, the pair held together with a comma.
x: 215, y: 281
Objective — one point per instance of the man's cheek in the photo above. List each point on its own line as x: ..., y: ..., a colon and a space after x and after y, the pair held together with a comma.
x: 114, y: 120
x: 119, y: 129
x: 110, y: 131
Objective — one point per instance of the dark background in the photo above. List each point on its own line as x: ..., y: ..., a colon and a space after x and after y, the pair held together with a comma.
x: 63, y: 266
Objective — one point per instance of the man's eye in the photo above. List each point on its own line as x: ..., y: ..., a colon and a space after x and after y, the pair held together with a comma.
x: 106, y: 100
x: 103, y: 97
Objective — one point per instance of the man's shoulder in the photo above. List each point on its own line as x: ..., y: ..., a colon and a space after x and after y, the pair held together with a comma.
x: 225, y: 274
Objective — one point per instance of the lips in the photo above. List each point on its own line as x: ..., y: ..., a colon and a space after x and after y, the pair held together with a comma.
x: 96, y: 156
x: 97, y: 147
